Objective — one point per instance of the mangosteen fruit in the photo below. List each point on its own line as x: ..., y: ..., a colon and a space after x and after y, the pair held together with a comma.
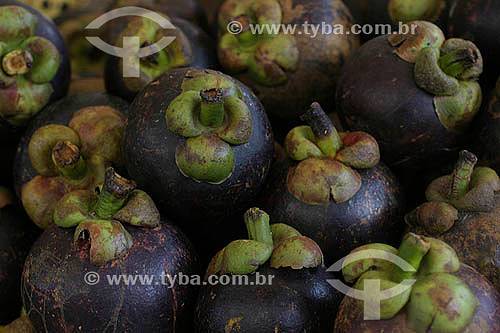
x: 66, y: 280
x: 57, y: 8
x: 200, y: 143
x: 392, y: 12
x: 415, y: 92
x: 488, y: 140
x: 425, y: 289
x: 68, y: 147
x: 286, y: 70
x: 35, y: 69
x: 477, y: 20
x: 463, y: 209
x: 184, y: 45
x: 17, y: 234
x: 283, y: 283
x: 332, y: 188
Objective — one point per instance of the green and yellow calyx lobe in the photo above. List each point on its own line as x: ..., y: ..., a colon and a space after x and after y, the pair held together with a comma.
x: 211, y: 114
x: 327, y: 159
x: 268, y: 57
x: 448, y: 69
x: 27, y: 65
x: 69, y: 158
x: 98, y: 217
x: 431, y: 284
x: 278, y: 244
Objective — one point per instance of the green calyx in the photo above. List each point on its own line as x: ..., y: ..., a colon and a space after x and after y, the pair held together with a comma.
x: 327, y: 159
x: 411, y: 10
x: 28, y: 64
x: 280, y: 244
x: 177, y: 54
x: 98, y: 217
x: 433, y: 286
x: 211, y: 114
x: 467, y: 189
x: 70, y: 158
x: 447, y: 69
x: 20, y: 325
x: 267, y: 57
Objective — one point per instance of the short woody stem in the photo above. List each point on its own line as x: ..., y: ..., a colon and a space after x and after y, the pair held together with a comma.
x: 462, y: 173
x: 114, y: 194
x: 327, y: 137
x: 413, y: 248
x: 212, y: 107
x: 68, y: 160
x: 257, y: 222
x: 17, y: 62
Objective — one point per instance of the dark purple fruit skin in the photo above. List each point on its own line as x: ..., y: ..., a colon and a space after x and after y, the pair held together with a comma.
x: 296, y: 301
x: 203, y: 47
x: 47, y: 29
x: 487, y: 318
x: 17, y: 234
x: 57, y: 298
x: 487, y: 143
x: 374, y: 214
x: 377, y: 94
x: 60, y: 113
x: 149, y: 150
x: 477, y: 20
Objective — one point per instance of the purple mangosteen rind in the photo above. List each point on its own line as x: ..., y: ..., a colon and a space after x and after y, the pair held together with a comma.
x: 273, y: 65
x: 462, y: 210
x: 35, y: 64
x: 440, y: 280
x: 330, y: 178
x: 160, y: 160
x: 54, y: 280
x: 414, y: 71
x: 192, y: 47
x: 68, y: 147
x: 17, y: 234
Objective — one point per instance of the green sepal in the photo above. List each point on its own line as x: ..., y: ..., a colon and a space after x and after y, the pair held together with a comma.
x: 74, y: 207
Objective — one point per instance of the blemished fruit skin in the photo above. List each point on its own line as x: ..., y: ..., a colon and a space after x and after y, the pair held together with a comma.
x: 149, y: 148
x: 17, y: 234
x: 486, y: 319
x: 57, y: 113
x: 374, y: 214
x: 288, y: 301
x: 58, y: 299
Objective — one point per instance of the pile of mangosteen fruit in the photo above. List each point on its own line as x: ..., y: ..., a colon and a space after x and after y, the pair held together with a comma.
x: 250, y: 166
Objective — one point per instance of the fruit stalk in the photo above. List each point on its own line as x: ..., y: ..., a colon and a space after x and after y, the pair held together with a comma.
x: 462, y: 173
x: 68, y: 160
x: 114, y: 194
x: 212, y: 107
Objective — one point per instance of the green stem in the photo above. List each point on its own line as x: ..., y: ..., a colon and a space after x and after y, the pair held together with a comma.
x: 68, y: 160
x: 461, y: 175
x: 114, y: 194
x: 413, y: 248
x: 326, y: 135
x: 257, y: 222
x: 17, y: 62
x: 456, y: 62
x: 212, y: 107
